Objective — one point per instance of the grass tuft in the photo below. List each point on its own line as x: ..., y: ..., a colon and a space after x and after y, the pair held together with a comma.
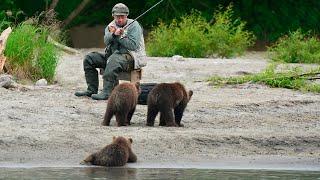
x: 294, y: 78
x: 30, y: 55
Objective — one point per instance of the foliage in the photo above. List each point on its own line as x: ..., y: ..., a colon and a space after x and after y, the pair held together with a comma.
x: 271, y: 19
x: 160, y: 41
x: 5, y: 14
x: 227, y: 37
x: 48, y: 20
x: 4, y: 23
x: 29, y: 53
x: 293, y: 78
x: 193, y: 36
x: 186, y: 37
x: 297, y: 47
x: 268, y: 19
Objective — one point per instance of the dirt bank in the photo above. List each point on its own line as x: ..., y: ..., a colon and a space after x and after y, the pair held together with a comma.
x: 50, y: 126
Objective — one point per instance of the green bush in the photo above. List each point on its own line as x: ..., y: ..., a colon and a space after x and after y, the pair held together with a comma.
x: 185, y: 37
x: 161, y: 43
x: 188, y: 37
x: 193, y: 36
x: 227, y: 37
x: 297, y: 47
x: 29, y: 53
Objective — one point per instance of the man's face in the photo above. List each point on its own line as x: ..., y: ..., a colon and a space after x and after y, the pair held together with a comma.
x: 120, y: 20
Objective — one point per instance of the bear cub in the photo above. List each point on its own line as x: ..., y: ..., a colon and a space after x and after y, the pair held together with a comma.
x: 122, y: 103
x: 118, y: 153
x: 170, y: 99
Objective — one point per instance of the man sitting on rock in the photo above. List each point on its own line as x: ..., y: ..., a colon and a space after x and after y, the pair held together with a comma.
x: 125, y: 51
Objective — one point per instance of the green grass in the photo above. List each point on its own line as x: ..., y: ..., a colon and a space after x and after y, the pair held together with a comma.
x: 294, y: 78
x: 29, y: 54
x: 297, y: 47
x: 193, y: 36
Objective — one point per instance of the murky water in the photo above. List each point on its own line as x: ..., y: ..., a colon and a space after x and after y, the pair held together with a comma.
x: 132, y: 173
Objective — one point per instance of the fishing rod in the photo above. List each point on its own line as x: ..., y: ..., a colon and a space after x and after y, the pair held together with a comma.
x: 126, y: 26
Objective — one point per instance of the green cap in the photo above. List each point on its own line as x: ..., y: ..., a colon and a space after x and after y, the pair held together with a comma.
x: 120, y: 9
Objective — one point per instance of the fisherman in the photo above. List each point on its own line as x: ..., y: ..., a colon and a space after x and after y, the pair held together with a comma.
x: 125, y: 51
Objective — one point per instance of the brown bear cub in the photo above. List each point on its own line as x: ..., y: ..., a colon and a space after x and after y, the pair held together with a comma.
x: 118, y: 153
x: 170, y: 99
x: 122, y: 103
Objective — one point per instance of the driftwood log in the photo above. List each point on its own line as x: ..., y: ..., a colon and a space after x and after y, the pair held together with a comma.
x: 3, y: 40
x: 63, y: 47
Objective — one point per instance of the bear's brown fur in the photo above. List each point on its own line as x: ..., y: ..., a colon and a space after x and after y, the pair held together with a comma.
x: 122, y: 103
x: 118, y: 153
x: 170, y: 99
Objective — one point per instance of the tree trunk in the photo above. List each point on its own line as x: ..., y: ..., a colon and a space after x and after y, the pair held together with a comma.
x: 75, y: 12
x: 53, y: 4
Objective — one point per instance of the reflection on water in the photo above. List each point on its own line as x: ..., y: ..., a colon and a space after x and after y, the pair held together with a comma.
x: 131, y: 173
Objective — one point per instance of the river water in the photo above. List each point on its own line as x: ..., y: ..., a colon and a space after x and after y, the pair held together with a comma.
x: 149, y: 173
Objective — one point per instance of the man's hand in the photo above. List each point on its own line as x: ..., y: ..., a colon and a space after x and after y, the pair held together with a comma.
x: 112, y: 29
x: 119, y: 31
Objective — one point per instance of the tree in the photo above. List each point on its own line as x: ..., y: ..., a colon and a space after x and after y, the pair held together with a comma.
x: 53, y: 4
x: 75, y: 12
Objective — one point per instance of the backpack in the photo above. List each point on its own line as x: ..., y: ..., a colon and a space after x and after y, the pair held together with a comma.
x: 145, y: 89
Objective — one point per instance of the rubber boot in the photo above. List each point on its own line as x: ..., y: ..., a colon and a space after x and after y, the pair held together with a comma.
x: 92, y: 83
x: 83, y: 93
x: 101, y: 96
x: 106, y: 91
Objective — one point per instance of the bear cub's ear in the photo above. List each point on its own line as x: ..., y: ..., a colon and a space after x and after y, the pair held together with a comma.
x: 190, y: 94
x: 130, y: 140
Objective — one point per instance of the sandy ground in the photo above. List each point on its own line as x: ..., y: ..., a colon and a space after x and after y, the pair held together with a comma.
x: 234, y: 127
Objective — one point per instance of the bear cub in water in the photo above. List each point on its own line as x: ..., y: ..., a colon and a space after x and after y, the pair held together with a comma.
x: 118, y: 153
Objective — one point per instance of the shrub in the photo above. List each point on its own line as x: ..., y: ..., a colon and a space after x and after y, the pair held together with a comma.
x: 185, y: 37
x: 29, y: 53
x: 161, y: 43
x: 227, y: 37
x: 189, y: 36
x: 193, y: 36
x: 296, y: 47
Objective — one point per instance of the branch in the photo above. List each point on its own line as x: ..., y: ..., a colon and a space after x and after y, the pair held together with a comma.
x: 313, y: 78
x: 75, y: 12
x: 307, y: 74
x: 53, y: 4
x: 294, y: 76
x: 174, y: 8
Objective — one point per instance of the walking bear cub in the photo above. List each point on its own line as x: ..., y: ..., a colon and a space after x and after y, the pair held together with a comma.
x: 118, y: 153
x: 122, y: 103
x: 170, y: 99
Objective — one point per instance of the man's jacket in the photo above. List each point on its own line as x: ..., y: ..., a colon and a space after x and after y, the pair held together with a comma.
x: 131, y: 42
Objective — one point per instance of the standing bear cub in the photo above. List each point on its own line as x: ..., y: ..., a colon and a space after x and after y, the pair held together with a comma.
x: 122, y: 103
x: 118, y: 153
x: 170, y: 99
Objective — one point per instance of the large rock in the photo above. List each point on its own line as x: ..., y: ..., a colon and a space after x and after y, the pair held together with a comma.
x: 6, y: 81
x: 41, y: 82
